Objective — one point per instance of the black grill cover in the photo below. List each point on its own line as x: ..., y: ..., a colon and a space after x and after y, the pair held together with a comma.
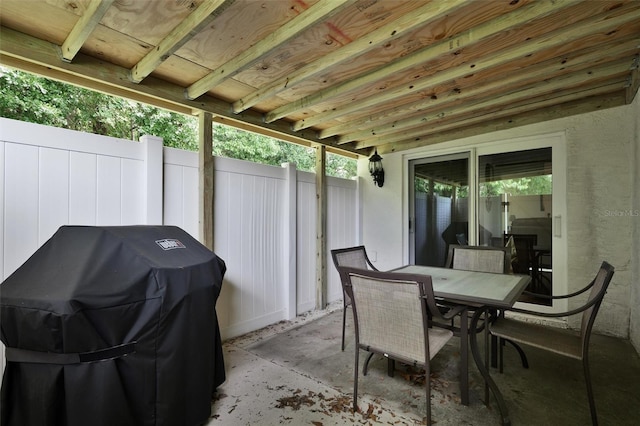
x: 112, y: 326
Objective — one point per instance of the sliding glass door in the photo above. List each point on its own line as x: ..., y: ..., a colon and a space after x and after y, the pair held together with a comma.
x: 440, y: 207
x: 515, y: 210
x: 508, y: 194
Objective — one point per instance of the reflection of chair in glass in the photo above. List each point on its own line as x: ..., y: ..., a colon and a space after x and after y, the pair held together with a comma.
x: 355, y: 257
x: 392, y: 317
x: 561, y: 342
x: 524, y: 261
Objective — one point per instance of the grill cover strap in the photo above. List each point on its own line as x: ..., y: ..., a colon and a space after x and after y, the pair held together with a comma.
x: 37, y: 357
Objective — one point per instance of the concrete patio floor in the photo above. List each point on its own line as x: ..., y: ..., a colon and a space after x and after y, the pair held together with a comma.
x: 295, y: 373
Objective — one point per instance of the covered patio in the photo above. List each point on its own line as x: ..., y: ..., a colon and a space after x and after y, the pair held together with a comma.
x: 311, y: 381
x: 408, y: 80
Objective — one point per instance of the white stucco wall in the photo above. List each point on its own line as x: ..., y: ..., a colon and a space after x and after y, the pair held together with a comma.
x: 602, y: 184
x: 634, y: 332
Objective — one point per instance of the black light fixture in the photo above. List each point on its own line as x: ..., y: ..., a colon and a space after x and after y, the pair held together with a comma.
x: 376, y: 170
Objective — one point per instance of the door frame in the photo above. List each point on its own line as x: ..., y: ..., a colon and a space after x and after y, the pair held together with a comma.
x: 556, y: 141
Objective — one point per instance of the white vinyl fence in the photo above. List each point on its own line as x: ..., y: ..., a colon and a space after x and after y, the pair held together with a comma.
x: 264, y: 216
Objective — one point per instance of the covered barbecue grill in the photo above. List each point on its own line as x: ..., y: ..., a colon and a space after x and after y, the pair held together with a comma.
x: 112, y: 326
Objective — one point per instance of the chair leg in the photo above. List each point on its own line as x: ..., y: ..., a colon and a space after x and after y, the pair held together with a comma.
x: 501, y: 354
x: 365, y: 367
x: 344, y: 320
x: 427, y: 382
x: 523, y: 356
x: 592, y: 402
x: 355, y: 381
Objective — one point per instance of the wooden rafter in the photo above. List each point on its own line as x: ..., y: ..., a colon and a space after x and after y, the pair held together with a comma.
x: 319, y: 11
x: 599, y: 24
x: 422, y: 16
x: 482, y: 111
x: 556, y: 66
x: 468, y: 38
x: 557, y: 39
x: 83, y: 28
x: 189, y: 27
x: 608, y: 100
x: 413, y: 126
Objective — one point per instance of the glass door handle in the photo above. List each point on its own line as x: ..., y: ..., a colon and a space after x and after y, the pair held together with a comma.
x: 557, y: 226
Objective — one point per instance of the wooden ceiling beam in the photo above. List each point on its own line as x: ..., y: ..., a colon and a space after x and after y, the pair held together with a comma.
x: 467, y: 38
x: 552, y: 112
x: 83, y: 28
x: 417, y: 18
x: 603, y: 24
x: 41, y: 57
x: 181, y: 34
x: 553, y: 67
x: 322, y: 10
x: 407, y: 127
x: 476, y: 116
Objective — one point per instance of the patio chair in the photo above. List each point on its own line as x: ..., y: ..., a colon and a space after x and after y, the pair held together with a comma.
x: 355, y: 257
x: 391, y: 314
x: 478, y: 259
x: 495, y: 260
x: 561, y: 342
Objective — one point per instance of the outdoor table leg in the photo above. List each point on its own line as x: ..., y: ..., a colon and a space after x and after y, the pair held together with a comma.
x: 464, y: 359
x: 493, y: 313
x: 484, y: 371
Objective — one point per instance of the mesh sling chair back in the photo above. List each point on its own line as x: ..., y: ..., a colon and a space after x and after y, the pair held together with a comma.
x: 479, y: 259
x: 392, y: 317
x: 354, y: 257
x: 559, y: 341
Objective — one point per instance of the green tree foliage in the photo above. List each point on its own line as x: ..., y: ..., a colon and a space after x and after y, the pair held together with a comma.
x: 27, y: 97
x: 235, y: 143
x: 34, y: 99
x: 534, y: 185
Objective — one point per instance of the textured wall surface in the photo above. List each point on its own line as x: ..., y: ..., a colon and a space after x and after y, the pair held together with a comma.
x: 599, y: 193
x: 635, y: 249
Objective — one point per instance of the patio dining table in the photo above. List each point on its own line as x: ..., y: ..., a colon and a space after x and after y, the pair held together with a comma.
x: 481, y: 291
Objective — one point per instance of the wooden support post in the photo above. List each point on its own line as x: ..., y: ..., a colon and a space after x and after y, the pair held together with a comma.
x: 321, y: 228
x: 205, y: 173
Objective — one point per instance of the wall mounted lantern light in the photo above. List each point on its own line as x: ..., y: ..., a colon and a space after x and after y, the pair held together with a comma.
x: 376, y: 170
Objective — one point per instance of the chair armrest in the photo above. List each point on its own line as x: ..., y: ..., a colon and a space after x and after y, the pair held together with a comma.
x: 451, y: 313
x: 373, y: 268
x: 558, y: 314
x: 564, y: 296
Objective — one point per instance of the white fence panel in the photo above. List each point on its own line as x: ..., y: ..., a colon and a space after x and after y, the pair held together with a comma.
x: 342, y: 227
x: 249, y: 234
x: 54, y: 177
x: 306, y: 241
x: 181, y: 202
x: 264, y: 216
